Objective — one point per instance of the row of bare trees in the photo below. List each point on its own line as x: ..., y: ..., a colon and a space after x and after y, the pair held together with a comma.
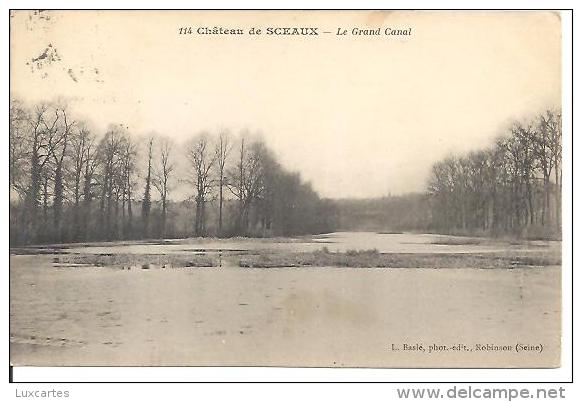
x: 513, y: 187
x: 265, y: 199
x: 69, y: 184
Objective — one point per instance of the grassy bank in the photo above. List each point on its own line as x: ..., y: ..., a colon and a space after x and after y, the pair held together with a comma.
x: 137, y: 261
x: 318, y: 258
x: 374, y: 259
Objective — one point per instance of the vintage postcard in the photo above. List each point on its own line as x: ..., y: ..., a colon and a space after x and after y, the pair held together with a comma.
x: 374, y: 189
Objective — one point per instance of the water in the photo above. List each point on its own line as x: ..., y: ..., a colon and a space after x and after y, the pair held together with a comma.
x: 290, y: 317
x: 339, y: 241
x: 311, y: 316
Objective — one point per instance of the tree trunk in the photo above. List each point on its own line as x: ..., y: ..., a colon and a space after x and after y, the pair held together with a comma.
x: 30, y: 212
x: 129, y: 211
x: 58, y: 202
x: 45, y: 209
x: 163, y: 217
x: 86, y: 203
x: 220, y: 204
x: 198, y: 225
x: 558, y: 178
x: 546, y: 203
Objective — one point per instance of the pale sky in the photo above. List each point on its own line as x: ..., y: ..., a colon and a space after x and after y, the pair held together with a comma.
x: 358, y: 116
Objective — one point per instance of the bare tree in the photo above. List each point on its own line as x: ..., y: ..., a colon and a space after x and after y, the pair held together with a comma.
x: 201, y: 160
x: 61, y: 172
x: 246, y: 180
x: 83, y: 149
x: 59, y: 141
x: 91, y: 165
x: 222, y: 150
x: 111, y: 157
x: 237, y: 185
x: 19, y: 118
x: 542, y: 148
x: 128, y: 165
x: 524, y: 134
x: 147, y: 199
x: 501, y: 189
x: 42, y: 123
x: 162, y: 178
x: 553, y: 125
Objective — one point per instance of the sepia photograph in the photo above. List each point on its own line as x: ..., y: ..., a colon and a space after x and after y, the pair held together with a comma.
x: 333, y: 189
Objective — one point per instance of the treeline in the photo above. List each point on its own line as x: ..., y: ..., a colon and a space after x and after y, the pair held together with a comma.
x: 69, y: 183
x: 513, y: 187
x: 397, y: 213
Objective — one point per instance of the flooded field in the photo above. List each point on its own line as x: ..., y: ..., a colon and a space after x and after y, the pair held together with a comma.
x: 340, y: 241
x: 127, y: 304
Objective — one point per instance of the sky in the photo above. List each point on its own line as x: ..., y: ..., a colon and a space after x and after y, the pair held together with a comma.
x: 357, y: 116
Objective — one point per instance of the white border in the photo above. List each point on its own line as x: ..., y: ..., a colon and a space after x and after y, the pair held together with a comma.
x: 278, y: 374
